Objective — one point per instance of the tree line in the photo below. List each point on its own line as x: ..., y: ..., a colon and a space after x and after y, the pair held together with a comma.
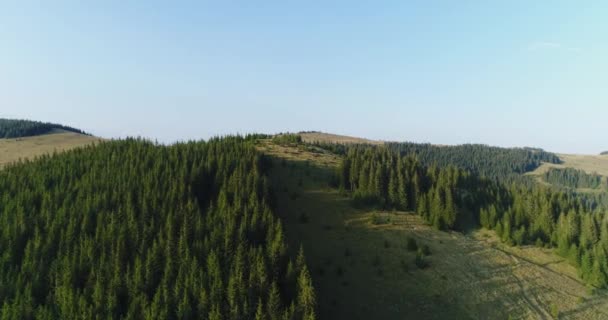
x: 574, y: 178
x: 134, y: 230
x: 483, y: 160
x: 452, y: 198
x: 25, y: 128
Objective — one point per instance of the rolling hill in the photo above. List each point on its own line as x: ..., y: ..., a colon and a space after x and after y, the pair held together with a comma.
x: 371, y: 251
x: 58, y: 140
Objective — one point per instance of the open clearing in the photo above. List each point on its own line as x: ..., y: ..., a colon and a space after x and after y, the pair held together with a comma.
x: 363, y: 270
x: 12, y: 150
x: 311, y: 137
x: 587, y: 163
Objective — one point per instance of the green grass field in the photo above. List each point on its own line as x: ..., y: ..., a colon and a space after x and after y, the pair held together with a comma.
x: 363, y: 270
x: 12, y: 150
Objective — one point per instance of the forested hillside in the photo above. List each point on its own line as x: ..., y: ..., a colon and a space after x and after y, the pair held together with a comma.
x: 130, y: 229
x: 483, y: 160
x: 25, y: 128
x: 450, y: 198
x: 573, y: 178
x: 492, y: 162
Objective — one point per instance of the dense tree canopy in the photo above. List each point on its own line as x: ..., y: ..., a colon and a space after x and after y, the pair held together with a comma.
x: 573, y: 178
x: 130, y: 229
x: 26, y: 128
x: 483, y: 160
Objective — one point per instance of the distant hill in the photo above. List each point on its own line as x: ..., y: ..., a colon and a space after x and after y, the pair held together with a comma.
x: 10, y: 128
x: 12, y: 150
x: 605, y: 153
x: 321, y: 137
x: 489, y: 161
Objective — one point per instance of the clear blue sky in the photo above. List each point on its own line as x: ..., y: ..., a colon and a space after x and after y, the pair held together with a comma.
x: 518, y: 73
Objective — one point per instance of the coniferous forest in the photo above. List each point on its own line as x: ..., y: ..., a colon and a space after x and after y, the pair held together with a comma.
x: 483, y: 160
x: 452, y: 198
x: 24, y: 128
x: 573, y: 178
x: 134, y: 230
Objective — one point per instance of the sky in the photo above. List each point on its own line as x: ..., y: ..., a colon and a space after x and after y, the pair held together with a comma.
x: 506, y: 73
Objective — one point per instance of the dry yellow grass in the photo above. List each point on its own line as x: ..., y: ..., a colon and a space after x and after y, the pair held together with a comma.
x: 588, y: 163
x: 364, y: 271
x: 335, y: 138
x: 12, y: 150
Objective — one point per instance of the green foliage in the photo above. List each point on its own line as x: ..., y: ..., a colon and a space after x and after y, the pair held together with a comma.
x: 425, y: 250
x: 130, y: 229
x: 483, y: 160
x: 573, y: 178
x: 420, y: 261
x: 555, y: 311
x: 25, y: 128
x: 411, y: 244
x: 380, y: 219
x: 450, y: 198
x: 287, y: 139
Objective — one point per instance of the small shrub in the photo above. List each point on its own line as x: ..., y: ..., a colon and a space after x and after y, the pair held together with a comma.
x: 387, y: 244
x: 555, y: 311
x: 379, y: 220
x: 411, y: 244
x: 425, y: 250
x: 339, y: 271
x: 404, y: 266
x: 376, y: 261
x: 347, y: 252
x: 420, y: 262
x: 303, y: 218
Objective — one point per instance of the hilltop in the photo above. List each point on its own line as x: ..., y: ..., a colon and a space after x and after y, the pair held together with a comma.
x: 321, y: 137
x: 24, y: 139
x: 11, y: 128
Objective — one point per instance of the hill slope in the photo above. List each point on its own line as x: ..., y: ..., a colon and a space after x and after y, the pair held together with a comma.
x: 321, y: 137
x: 363, y: 270
x: 133, y: 230
x: 587, y: 163
x: 10, y: 128
x: 12, y: 150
